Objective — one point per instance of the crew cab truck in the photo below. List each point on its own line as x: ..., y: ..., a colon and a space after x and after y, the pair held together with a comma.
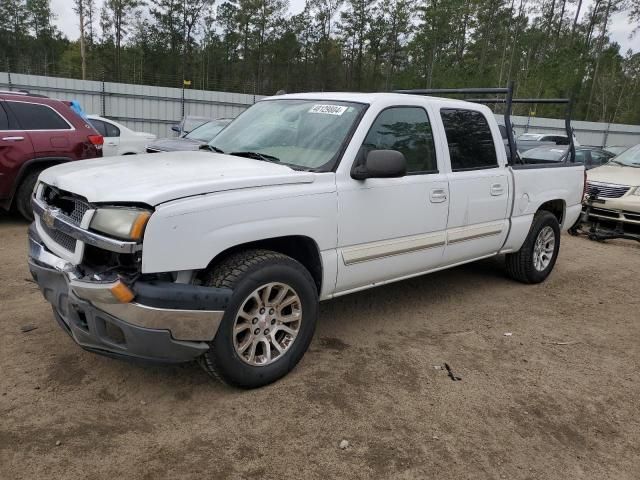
x: 223, y: 254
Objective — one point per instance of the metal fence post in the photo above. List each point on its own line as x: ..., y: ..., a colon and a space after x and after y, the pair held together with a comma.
x: 103, y: 98
x: 8, y: 73
x: 606, y: 135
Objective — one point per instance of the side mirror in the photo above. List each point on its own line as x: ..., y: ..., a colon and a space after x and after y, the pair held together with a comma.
x: 381, y: 164
x: 175, y: 128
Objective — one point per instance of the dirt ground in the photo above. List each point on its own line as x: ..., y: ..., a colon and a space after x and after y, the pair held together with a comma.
x: 556, y: 399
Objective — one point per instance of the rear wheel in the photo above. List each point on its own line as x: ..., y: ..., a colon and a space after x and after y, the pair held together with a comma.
x: 535, y: 260
x: 269, y: 322
x: 23, y: 194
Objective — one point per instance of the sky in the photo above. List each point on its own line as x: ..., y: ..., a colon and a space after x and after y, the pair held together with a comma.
x: 67, y: 22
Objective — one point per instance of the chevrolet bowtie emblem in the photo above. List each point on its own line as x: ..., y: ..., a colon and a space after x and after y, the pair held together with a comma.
x: 49, y: 216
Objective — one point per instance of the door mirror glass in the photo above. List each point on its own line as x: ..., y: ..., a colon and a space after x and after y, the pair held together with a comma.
x: 382, y: 164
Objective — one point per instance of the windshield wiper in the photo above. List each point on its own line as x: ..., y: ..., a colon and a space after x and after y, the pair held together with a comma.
x: 257, y: 156
x: 211, y: 148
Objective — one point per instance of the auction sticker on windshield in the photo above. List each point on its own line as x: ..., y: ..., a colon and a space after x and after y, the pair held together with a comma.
x: 328, y: 109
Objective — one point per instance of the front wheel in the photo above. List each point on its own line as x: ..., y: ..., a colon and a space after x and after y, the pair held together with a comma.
x: 536, y: 258
x: 269, y: 322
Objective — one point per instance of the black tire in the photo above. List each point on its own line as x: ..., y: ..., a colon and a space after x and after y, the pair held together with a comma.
x: 520, y: 265
x: 22, y: 198
x: 244, y: 272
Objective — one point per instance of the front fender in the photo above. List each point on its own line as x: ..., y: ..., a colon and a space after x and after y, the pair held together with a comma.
x: 187, y: 234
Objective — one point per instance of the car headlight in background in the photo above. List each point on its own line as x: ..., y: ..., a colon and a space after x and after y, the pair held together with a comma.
x: 123, y: 223
x: 637, y: 191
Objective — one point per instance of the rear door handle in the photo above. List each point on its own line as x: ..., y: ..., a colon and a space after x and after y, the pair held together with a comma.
x: 497, y: 189
x: 13, y: 139
x: 438, y: 196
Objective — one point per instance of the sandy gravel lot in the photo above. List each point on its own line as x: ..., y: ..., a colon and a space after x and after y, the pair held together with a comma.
x: 526, y: 408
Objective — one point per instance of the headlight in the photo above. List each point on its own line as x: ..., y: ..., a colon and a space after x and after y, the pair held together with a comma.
x: 124, y: 223
x: 637, y: 191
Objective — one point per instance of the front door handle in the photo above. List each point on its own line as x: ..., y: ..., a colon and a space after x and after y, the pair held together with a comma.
x: 438, y: 196
x: 13, y: 139
x: 497, y: 189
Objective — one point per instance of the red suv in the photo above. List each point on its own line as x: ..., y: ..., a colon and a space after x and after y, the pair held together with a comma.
x: 37, y: 132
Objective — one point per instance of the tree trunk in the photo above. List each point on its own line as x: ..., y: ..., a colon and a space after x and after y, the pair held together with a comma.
x: 83, y: 56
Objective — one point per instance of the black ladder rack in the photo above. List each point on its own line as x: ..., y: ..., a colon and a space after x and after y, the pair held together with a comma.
x: 508, y: 100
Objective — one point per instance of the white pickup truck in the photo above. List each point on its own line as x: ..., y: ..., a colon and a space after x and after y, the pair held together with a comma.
x: 223, y: 254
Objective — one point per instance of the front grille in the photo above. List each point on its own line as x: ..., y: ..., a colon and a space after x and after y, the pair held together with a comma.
x: 604, y: 212
x: 607, y: 190
x: 632, y: 216
x: 71, y: 206
x: 65, y: 241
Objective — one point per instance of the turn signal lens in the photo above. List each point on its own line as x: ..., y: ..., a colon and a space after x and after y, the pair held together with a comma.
x: 137, y: 228
x: 122, y: 293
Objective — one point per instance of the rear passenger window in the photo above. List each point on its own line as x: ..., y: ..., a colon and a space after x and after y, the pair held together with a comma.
x: 32, y: 116
x: 470, y: 141
x: 99, y: 125
x: 112, y: 130
x: 407, y: 130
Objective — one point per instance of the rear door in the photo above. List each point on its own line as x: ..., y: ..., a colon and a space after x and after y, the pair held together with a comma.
x: 48, y: 130
x: 15, y: 150
x: 478, y: 186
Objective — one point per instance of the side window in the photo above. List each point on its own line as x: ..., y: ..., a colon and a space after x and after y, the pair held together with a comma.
x: 470, y: 141
x: 99, y: 125
x: 4, y: 120
x: 32, y: 116
x: 112, y: 130
x: 599, y: 158
x: 581, y: 157
x: 407, y: 130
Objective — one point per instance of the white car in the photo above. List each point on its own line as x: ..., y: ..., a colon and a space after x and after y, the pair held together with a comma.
x: 118, y: 139
x: 222, y: 254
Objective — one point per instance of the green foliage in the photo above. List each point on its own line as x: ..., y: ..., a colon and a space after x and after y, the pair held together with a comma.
x: 549, y: 47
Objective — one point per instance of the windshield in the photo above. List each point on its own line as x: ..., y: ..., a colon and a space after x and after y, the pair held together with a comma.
x: 306, y: 134
x: 191, y: 123
x: 628, y: 158
x: 206, y: 132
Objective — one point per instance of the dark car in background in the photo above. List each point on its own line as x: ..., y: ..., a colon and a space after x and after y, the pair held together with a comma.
x: 192, y: 140
x: 37, y: 132
x: 591, y: 156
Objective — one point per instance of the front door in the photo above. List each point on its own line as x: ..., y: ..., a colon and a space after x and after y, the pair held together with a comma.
x: 478, y: 185
x: 390, y: 228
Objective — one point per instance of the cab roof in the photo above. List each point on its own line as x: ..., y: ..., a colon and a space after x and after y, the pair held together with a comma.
x: 372, y: 98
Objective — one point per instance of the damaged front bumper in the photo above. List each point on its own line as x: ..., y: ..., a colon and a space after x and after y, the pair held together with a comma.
x: 166, y: 322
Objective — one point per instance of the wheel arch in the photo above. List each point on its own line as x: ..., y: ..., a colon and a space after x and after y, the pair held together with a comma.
x: 557, y: 207
x: 299, y: 247
x: 28, y: 167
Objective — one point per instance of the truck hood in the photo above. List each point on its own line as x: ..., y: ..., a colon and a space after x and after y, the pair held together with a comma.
x: 175, y: 144
x: 615, y: 174
x: 155, y: 178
